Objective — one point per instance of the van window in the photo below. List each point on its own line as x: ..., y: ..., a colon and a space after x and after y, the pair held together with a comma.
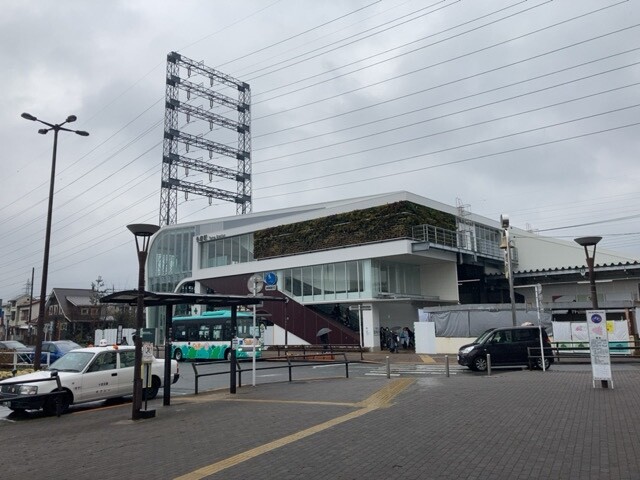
x: 502, y: 336
x: 526, y: 334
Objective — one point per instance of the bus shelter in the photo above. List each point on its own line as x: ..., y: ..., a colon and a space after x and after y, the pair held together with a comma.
x: 169, y: 300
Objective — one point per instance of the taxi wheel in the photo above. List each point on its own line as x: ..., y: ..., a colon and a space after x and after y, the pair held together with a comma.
x: 151, y: 393
x: 51, y: 407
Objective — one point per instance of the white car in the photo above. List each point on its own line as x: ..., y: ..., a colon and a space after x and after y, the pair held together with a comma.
x: 85, y: 375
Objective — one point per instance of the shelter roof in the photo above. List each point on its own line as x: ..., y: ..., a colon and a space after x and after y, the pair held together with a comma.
x: 154, y: 299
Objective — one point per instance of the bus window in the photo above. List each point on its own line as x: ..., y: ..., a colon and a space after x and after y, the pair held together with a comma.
x: 180, y: 333
x: 205, y: 333
x: 217, y: 333
x: 192, y: 333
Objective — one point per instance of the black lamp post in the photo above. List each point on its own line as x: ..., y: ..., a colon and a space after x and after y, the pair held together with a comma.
x: 506, y: 245
x: 47, y: 239
x: 143, y: 233
x: 587, y: 242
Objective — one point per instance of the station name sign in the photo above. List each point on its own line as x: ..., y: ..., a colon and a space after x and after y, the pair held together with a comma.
x: 208, y: 238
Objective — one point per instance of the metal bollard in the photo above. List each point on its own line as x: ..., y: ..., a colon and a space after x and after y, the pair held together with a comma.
x: 388, y: 367
x: 488, y: 364
x: 446, y: 365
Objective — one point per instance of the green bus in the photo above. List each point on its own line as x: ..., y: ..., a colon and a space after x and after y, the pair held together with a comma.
x: 208, y: 336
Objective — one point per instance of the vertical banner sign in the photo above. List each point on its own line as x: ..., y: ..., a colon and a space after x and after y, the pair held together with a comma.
x: 599, y: 345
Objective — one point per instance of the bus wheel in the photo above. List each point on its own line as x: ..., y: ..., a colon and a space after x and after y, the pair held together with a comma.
x: 227, y: 354
x: 178, y: 355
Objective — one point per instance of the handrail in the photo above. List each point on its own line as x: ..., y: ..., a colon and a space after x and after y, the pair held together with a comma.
x: 326, y: 349
x: 289, y: 365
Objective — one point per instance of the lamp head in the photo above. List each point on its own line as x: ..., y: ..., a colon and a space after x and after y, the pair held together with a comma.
x: 71, y: 119
x: 143, y: 229
x: 43, y: 131
x: 28, y: 116
x: 82, y: 133
x: 587, y: 241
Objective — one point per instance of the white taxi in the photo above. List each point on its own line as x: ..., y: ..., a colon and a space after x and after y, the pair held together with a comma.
x: 85, y: 375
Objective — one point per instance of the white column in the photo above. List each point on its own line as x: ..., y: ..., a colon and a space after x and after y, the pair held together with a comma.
x: 370, y: 327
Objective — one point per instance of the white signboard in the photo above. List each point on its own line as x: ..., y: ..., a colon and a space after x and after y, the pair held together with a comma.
x: 599, y: 345
x: 147, y: 352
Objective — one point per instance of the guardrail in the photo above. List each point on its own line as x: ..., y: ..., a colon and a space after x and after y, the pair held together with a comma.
x: 21, y: 359
x: 289, y: 359
x: 57, y: 393
x: 329, y: 349
x: 581, y: 352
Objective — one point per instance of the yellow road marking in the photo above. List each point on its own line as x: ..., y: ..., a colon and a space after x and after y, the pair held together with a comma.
x: 381, y: 399
x: 427, y: 359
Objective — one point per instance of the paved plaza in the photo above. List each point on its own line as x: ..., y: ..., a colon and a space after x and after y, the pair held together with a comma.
x: 514, y: 424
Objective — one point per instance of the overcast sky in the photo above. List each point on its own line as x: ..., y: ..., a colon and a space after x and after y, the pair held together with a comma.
x: 529, y: 108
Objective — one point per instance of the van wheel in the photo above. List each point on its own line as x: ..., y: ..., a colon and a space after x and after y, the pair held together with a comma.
x: 178, y: 355
x: 547, y: 363
x: 480, y: 364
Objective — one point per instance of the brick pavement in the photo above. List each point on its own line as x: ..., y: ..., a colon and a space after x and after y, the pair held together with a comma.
x: 512, y: 425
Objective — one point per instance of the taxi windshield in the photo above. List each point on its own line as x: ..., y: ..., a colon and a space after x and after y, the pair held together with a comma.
x: 72, y: 362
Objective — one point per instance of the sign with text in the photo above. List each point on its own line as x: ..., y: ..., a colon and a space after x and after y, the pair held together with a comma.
x: 599, y: 345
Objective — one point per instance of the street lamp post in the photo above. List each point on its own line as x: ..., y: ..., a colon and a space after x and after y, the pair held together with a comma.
x: 143, y: 233
x: 47, y: 238
x: 590, y: 242
x: 506, y: 245
x: 587, y: 242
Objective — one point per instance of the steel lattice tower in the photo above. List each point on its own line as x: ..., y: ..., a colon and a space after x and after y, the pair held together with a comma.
x: 194, y: 85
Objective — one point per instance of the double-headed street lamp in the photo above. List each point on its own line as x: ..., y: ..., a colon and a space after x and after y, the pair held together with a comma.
x: 47, y: 238
x: 143, y: 233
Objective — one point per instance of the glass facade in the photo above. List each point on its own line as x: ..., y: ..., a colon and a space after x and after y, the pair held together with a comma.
x: 169, y: 259
x: 395, y: 278
x: 226, y: 251
x: 350, y: 280
x: 331, y: 281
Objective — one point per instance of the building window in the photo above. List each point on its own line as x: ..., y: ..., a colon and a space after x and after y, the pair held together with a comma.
x: 341, y: 280
x: 226, y: 251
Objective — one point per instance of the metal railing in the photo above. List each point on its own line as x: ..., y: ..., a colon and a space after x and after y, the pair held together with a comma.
x: 13, y: 360
x: 329, y: 349
x: 465, y: 241
x: 288, y: 358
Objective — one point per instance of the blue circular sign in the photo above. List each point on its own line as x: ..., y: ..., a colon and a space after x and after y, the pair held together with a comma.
x: 270, y: 278
x: 596, y: 318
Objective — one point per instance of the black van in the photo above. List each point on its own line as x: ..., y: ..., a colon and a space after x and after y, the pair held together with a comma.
x: 507, y: 346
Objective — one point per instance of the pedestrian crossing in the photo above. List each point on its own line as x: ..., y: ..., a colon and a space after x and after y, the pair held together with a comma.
x: 398, y: 370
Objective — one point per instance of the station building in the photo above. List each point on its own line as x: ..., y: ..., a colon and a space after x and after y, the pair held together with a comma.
x: 355, y: 265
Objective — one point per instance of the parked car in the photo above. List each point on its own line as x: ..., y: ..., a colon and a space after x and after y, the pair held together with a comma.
x: 86, y: 375
x: 507, y: 346
x: 53, y: 350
